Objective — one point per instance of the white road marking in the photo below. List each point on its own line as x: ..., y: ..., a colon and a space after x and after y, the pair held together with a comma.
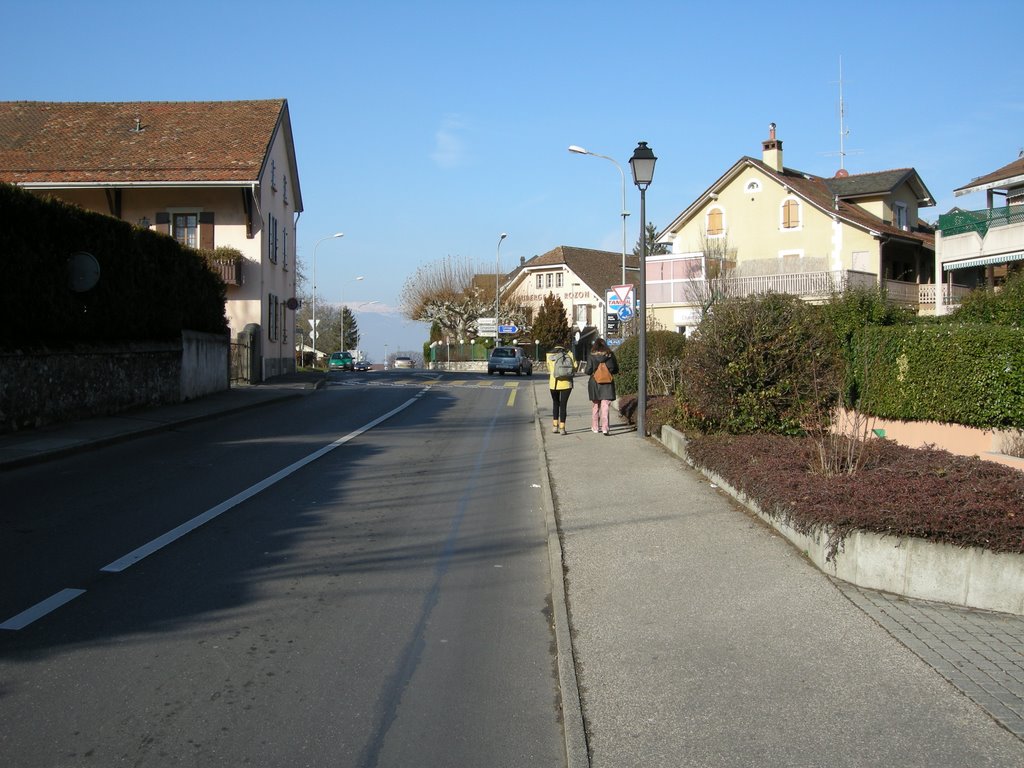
x: 37, y: 611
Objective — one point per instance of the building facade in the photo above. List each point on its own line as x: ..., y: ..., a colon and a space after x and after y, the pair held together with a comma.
x: 208, y: 174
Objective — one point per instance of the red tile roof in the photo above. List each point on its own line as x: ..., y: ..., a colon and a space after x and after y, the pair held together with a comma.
x: 126, y: 142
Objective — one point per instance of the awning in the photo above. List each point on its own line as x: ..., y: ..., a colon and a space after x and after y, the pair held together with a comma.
x: 982, y: 261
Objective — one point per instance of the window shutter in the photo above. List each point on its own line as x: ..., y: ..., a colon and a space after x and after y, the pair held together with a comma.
x: 163, y: 222
x: 206, y: 230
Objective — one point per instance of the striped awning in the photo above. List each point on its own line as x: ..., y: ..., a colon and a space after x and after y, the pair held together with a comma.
x: 982, y: 261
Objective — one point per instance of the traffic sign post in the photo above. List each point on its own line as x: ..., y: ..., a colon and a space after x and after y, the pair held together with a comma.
x: 513, y: 329
x: 619, y: 300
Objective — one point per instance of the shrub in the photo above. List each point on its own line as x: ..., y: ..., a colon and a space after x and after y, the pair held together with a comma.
x: 761, y: 364
x: 1004, y: 306
x: 664, y: 363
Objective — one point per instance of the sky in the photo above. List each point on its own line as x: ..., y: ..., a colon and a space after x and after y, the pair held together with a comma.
x: 425, y: 130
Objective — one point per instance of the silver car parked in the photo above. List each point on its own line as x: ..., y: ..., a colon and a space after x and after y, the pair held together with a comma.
x: 509, y: 360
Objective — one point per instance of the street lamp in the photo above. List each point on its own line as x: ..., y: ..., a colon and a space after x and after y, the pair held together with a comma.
x: 497, y: 277
x: 625, y: 213
x: 642, y: 165
x: 343, y: 312
x: 329, y: 237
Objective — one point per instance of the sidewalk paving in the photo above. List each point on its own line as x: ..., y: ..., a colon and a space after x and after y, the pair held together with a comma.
x: 703, y: 638
x: 700, y: 636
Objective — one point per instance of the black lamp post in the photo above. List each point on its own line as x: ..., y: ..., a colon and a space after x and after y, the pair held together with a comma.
x: 642, y: 163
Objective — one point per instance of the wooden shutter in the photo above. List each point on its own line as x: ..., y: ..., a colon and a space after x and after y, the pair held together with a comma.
x: 206, y: 230
x: 163, y: 222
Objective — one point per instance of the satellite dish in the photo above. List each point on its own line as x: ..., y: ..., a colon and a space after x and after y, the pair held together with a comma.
x: 83, y: 272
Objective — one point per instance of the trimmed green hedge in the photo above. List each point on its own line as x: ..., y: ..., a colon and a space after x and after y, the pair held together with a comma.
x: 964, y: 374
x: 150, y: 287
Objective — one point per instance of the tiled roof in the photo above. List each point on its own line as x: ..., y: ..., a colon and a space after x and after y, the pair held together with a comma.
x: 1012, y: 171
x: 878, y: 183
x: 600, y: 270
x: 817, y: 191
x: 133, y: 142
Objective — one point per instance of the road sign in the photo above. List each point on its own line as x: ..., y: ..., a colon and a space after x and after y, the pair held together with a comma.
x: 612, y: 322
x: 625, y: 312
x: 508, y: 329
x: 614, y: 342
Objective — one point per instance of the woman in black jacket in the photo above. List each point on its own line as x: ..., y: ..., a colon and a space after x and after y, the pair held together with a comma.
x: 601, y: 367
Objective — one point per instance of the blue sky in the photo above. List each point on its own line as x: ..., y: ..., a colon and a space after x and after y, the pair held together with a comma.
x: 425, y: 130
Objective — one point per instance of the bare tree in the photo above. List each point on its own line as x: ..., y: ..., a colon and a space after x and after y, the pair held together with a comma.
x: 717, y: 266
x: 445, y: 292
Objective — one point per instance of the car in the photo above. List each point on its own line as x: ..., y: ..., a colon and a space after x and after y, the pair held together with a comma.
x: 404, y: 362
x: 341, y: 361
x: 364, y: 365
x: 509, y: 360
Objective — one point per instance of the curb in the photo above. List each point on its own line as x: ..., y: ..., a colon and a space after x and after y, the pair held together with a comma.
x: 969, y: 577
x: 573, y: 727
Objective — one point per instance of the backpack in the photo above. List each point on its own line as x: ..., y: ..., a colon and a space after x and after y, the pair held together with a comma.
x: 602, y: 375
x: 563, y: 367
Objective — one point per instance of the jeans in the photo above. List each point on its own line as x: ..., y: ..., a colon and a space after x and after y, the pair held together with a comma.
x: 559, y: 399
x: 599, y: 415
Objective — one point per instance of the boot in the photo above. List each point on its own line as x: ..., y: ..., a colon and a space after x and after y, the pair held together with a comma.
x: 561, y: 426
x: 554, y: 426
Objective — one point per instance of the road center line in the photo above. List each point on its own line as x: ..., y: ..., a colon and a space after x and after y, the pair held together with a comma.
x: 37, y: 611
x: 173, y: 535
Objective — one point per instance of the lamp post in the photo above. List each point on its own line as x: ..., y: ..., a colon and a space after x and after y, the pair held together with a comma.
x: 625, y: 213
x: 642, y: 165
x: 497, y: 277
x: 343, y: 312
x: 329, y: 237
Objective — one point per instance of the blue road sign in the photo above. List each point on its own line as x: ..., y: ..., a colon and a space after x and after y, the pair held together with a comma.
x: 508, y: 329
x: 625, y: 312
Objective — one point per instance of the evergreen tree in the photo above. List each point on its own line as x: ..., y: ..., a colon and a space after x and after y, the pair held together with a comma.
x: 551, y: 326
x: 653, y: 248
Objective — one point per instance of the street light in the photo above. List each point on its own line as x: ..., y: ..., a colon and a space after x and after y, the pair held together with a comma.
x: 625, y: 213
x: 497, y: 276
x: 642, y: 165
x: 343, y: 312
x: 329, y: 237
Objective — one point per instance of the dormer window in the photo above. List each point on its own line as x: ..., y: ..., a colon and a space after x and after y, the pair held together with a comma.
x: 715, y: 225
x: 899, y: 216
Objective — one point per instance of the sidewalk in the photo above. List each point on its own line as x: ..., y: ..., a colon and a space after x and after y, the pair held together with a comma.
x: 30, y: 446
x: 703, y: 638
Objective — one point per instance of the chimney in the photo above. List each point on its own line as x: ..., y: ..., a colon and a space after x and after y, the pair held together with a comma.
x: 771, y: 150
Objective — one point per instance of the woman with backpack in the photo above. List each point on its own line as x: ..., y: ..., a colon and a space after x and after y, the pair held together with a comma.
x: 601, y: 367
x: 561, y: 367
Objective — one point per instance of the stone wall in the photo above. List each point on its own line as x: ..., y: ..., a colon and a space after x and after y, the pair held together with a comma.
x: 40, y: 388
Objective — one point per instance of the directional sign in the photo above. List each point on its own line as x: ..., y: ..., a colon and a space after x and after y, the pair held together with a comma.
x: 625, y: 312
x: 508, y: 329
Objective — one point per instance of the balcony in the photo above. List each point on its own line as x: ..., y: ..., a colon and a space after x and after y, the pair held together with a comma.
x: 961, y: 222
x: 809, y: 286
x: 230, y: 270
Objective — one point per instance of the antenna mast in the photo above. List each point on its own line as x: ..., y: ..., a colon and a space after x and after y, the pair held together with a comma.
x: 843, y: 132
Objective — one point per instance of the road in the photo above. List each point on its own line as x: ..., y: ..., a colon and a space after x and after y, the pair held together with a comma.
x: 353, y: 578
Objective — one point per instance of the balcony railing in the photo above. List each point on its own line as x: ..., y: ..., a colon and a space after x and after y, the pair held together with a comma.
x: 230, y: 270
x: 821, y: 285
x: 959, y: 222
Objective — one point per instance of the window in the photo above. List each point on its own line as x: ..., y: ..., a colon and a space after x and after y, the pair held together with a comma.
x: 272, y: 238
x: 547, y: 280
x: 753, y: 186
x: 899, y: 216
x: 668, y: 280
x: 715, y: 223
x: 558, y: 280
x: 791, y: 214
x: 273, y: 317
x: 186, y: 229
x: 540, y: 281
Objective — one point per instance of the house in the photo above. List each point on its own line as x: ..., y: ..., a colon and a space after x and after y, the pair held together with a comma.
x: 580, y: 277
x: 208, y: 174
x: 983, y: 247
x: 764, y: 227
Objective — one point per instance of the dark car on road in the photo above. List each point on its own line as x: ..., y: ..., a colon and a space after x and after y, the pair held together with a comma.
x: 509, y: 360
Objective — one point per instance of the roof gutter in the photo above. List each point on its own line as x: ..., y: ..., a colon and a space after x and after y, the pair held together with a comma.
x: 136, y: 184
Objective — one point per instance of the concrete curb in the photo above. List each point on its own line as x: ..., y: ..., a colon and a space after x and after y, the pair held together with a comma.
x: 965, y: 576
x: 573, y: 728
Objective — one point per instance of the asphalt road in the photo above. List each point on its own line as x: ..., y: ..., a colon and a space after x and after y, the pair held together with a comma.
x: 354, y: 578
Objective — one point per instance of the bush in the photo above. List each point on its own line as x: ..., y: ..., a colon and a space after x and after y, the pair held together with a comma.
x: 1004, y: 306
x: 761, y: 364
x: 664, y: 363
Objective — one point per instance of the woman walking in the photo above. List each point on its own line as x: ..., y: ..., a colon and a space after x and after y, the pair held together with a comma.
x: 561, y: 367
x: 601, y: 367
